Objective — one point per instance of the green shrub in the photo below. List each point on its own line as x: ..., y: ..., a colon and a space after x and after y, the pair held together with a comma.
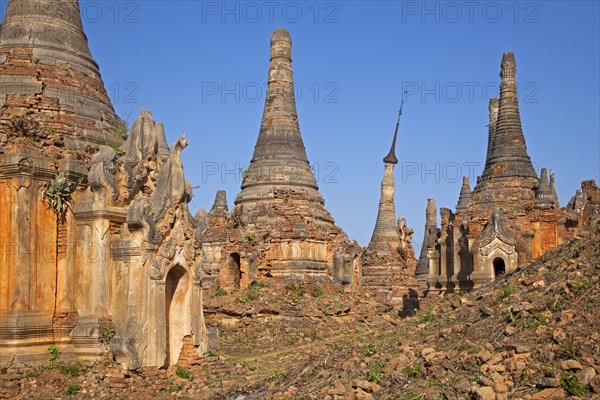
x: 571, y: 384
x: 506, y: 290
x: 413, y: 371
x: 109, y: 333
x: 73, y: 369
x: 317, y: 292
x: 54, y: 353
x: 183, y: 373
x: 375, y: 371
x: 220, y: 292
x: 368, y: 349
x: 73, y: 388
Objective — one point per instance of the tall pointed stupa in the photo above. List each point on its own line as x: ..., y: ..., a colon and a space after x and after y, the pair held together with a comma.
x: 508, y: 174
x: 47, y: 72
x: 388, y: 261
x: 473, y: 245
x: 279, y: 160
x: 279, y: 226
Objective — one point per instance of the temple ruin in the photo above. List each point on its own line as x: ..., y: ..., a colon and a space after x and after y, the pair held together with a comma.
x: 279, y: 227
x: 388, y: 262
x: 99, y: 250
x: 98, y: 244
x: 510, y: 217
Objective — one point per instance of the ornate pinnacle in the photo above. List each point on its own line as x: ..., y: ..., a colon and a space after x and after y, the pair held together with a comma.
x: 391, y: 157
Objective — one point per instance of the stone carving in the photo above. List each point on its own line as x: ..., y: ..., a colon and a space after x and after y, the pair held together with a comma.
x: 101, y: 177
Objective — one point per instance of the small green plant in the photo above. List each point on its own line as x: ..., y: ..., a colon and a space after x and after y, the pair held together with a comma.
x: 244, y: 298
x: 78, y: 154
x: 579, y: 285
x: 54, y: 353
x: 413, y: 371
x: 209, y: 353
x: 431, y: 382
x: 121, y: 129
x: 73, y: 369
x: 183, y: 373
x: 326, y: 311
x: 554, y: 304
x: 220, y: 292
x: 571, y: 384
x: 252, y: 238
x: 312, y: 335
x: 174, y: 387
x: 68, y: 74
x: 569, y: 349
x: 375, y: 371
x: 317, y: 292
x: 36, y: 61
x: 425, y: 315
x: 32, y: 373
x: 109, y: 333
x: 250, y: 364
x: 73, y: 388
x: 506, y: 290
x: 368, y: 349
x: 297, y: 291
x: 274, y: 376
x: 247, y: 173
x: 57, y: 193
x: 116, y: 148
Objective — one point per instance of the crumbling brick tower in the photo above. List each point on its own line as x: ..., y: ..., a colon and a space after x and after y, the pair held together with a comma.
x: 388, y: 262
x: 97, y: 243
x: 279, y: 226
x: 54, y: 106
x: 510, y: 217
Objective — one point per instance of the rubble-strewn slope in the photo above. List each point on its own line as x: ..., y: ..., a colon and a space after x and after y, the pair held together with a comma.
x: 534, y: 334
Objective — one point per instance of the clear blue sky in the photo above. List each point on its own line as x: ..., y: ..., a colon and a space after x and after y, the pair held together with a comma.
x: 200, y: 67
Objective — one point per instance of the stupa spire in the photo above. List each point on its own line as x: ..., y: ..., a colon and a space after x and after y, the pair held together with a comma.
x: 279, y: 158
x: 465, y: 195
x: 391, y: 157
x: 508, y: 151
x: 429, y: 239
x: 44, y: 50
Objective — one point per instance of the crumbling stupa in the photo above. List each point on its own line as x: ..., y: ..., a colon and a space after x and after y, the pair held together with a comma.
x: 388, y: 262
x: 279, y: 226
x: 510, y: 217
x: 97, y: 244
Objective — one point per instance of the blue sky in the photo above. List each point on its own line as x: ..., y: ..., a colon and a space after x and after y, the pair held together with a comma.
x: 201, y: 67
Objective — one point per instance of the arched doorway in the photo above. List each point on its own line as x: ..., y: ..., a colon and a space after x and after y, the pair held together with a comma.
x: 177, y: 311
x: 499, y: 266
x: 235, y: 271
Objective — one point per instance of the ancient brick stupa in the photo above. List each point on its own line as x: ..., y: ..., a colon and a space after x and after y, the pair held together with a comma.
x: 98, y: 245
x: 388, y: 262
x: 47, y: 70
x: 510, y: 217
x: 279, y: 226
